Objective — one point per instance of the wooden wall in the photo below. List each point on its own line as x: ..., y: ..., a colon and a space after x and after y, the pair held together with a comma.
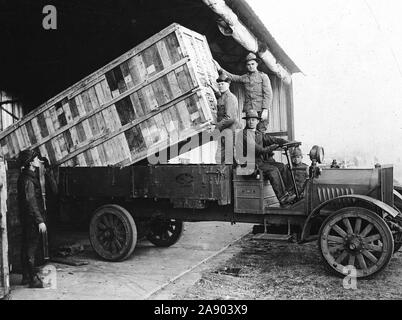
x: 15, y: 108
x: 4, y: 271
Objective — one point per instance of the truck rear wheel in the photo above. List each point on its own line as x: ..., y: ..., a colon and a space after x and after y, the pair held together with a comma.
x: 355, y: 239
x: 165, y: 232
x: 113, y: 233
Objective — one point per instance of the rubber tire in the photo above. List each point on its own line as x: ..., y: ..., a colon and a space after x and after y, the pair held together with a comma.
x: 171, y: 241
x: 131, y: 232
x: 374, y: 216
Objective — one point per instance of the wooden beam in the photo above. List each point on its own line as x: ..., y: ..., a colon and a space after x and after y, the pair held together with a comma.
x: 4, y: 271
x: 230, y: 25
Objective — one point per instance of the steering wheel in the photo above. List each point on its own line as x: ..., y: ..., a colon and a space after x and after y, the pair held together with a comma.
x: 291, y: 144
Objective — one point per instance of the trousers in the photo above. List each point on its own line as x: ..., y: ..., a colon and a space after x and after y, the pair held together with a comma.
x: 29, y: 250
x: 274, y: 176
x: 285, y: 174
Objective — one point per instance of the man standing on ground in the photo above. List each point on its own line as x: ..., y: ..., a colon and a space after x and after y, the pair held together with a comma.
x: 32, y: 214
x: 258, y: 90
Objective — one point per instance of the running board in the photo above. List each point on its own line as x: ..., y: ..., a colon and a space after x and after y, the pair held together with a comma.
x: 273, y: 237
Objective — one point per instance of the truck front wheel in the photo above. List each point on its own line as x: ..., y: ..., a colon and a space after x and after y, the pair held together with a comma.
x: 355, y: 241
x: 113, y: 233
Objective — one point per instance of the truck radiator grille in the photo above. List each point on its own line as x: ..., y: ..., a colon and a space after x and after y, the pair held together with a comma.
x: 328, y: 193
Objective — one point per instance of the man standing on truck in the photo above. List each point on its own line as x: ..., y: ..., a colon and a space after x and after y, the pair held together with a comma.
x: 32, y: 215
x: 227, y: 121
x: 258, y: 90
x: 264, y: 144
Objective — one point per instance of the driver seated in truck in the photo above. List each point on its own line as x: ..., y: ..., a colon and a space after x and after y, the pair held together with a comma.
x: 264, y: 144
x: 300, y: 169
x: 262, y: 127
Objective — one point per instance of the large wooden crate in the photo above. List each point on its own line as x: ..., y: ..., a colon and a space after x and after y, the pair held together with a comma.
x: 152, y: 95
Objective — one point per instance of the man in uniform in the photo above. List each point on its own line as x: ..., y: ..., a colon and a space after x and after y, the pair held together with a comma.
x: 262, y: 126
x: 258, y: 90
x: 32, y: 217
x: 264, y: 144
x: 300, y: 169
x: 227, y: 121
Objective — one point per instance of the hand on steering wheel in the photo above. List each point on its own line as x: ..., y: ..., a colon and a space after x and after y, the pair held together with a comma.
x: 291, y: 144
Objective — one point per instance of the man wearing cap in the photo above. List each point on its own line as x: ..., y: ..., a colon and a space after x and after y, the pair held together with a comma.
x: 299, y: 168
x: 264, y: 144
x: 31, y: 210
x: 258, y: 90
x: 227, y: 121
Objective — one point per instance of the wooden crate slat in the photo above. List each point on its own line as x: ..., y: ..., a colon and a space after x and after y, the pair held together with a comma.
x: 44, y: 132
x: 125, y: 110
x: 36, y: 129
x: 80, y: 105
x: 25, y: 136
x: 128, y: 80
x: 73, y: 108
x: 20, y: 139
x: 102, y: 154
x: 67, y: 112
x: 160, y: 124
x: 53, y: 117
x: 93, y: 123
x: 140, y: 67
x: 95, y: 157
x: 87, y: 129
x: 173, y: 84
x: 146, y: 134
x: 163, y: 52
x: 173, y: 46
x: 150, y: 98
x: 81, y: 160
x: 135, y: 101
x: 106, y: 91
x: 88, y: 158
x: 14, y: 141
x: 134, y: 71
x: 152, y: 60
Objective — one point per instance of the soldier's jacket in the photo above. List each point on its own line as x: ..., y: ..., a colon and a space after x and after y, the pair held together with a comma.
x: 261, y: 141
x: 227, y: 112
x: 300, y: 173
x: 30, y: 199
x: 258, y: 90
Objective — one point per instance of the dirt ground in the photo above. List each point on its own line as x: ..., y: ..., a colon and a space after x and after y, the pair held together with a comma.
x: 259, y: 269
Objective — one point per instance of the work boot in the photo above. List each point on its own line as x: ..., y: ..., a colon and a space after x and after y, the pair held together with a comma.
x: 36, y: 283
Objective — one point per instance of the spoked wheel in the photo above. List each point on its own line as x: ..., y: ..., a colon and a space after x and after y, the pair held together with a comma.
x: 113, y: 233
x: 165, y: 232
x: 356, y: 237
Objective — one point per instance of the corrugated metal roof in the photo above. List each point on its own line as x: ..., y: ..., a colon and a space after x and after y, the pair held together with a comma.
x: 249, y: 18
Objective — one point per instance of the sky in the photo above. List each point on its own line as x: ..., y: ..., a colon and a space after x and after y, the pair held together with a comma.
x: 349, y: 97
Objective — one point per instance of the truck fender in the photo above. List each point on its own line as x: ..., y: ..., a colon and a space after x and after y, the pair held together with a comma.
x: 377, y: 203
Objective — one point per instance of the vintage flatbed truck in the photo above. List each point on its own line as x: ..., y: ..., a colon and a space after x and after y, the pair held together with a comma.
x: 350, y: 212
